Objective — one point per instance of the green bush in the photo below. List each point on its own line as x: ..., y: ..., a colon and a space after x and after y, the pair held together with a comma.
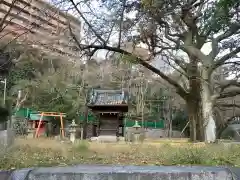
x: 81, y: 146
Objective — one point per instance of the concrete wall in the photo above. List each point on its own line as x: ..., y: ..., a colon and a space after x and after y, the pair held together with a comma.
x: 6, y: 140
x: 160, y: 133
x: 157, y: 133
x: 149, y: 133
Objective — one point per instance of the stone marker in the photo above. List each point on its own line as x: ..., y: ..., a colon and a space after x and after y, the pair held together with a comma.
x: 72, y: 131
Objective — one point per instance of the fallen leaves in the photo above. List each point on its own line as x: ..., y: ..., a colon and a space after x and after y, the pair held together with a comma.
x: 29, y: 154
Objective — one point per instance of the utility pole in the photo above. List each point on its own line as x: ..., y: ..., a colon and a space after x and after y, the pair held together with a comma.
x: 4, y: 91
x: 4, y: 97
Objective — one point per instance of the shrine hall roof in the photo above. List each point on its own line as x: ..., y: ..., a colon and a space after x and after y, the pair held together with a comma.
x: 99, y: 97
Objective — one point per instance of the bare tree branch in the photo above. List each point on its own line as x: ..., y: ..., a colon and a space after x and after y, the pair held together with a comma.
x: 121, y: 22
x: 228, y: 84
x: 228, y: 94
x: 229, y: 105
x: 3, y: 20
x: 86, y: 21
x: 226, y: 57
x: 182, y: 92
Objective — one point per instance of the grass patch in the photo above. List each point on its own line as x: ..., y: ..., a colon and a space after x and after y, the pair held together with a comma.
x: 27, y: 153
x: 81, y: 146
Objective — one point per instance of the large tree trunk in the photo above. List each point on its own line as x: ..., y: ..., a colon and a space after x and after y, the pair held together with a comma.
x: 208, y: 116
x: 207, y: 108
x: 219, y: 120
x: 193, y: 101
x: 192, y: 119
x: 195, y: 119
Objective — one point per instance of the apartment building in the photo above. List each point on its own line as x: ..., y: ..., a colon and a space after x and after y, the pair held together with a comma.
x: 41, y: 25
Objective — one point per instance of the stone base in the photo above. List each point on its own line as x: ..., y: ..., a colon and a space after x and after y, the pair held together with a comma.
x: 30, y: 135
x: 105, y: 139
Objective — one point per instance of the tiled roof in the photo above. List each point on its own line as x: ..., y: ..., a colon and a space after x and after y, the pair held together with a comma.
x: 108, y: 97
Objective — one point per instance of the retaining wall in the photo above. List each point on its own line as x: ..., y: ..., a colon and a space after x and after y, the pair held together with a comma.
x: 160, y: 133
x: 6, y: 140
x: 100, y: 172
x: 157, y: 133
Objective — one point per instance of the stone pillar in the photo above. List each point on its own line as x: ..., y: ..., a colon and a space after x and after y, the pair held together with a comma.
x: 72, y: 131
x: 31, y: 130
x: 72, y: 135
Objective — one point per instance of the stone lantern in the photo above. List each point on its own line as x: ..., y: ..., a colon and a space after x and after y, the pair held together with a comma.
x: 136, y: 126
x: 137, y: 133
x: 72, y: 131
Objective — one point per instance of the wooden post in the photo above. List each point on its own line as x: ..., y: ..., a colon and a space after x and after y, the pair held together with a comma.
x: 122, y: 125
x: 62, y: 130
x: 85, y: 122
x: 184, y: 129
x: 117, y: 132
x: 33, y: 124
x: 99, y: 124
x: 94, y: 130
x: 39, y: 124
x: 123, y: 130
x: 81, y: 133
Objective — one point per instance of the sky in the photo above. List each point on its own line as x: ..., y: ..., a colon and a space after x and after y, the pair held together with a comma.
x: 102, y: 53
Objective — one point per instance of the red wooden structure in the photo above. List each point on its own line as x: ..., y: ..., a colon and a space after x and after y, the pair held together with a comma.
x: 53, y: 114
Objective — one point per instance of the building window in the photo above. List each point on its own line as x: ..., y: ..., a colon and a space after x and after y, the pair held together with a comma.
x: 35, y: 25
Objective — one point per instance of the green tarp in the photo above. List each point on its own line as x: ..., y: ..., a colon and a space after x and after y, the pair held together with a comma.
x: 153, y: 124
x: 23, y: 112
x: 91, y: 118
x: 33, y: 115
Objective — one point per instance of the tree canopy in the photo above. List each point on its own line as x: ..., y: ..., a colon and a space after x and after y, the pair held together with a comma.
x: 185, y: 50
x: 176, y: 33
